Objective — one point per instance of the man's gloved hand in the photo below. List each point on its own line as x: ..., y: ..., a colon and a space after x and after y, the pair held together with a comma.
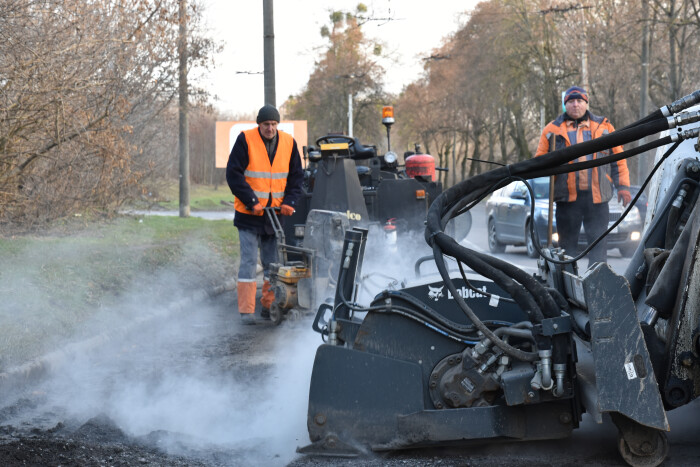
x: 624, y: 196
x: 286, y: 210
x: 257, y: 209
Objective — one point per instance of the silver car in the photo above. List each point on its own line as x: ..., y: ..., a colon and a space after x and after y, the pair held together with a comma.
x: 508, y: 216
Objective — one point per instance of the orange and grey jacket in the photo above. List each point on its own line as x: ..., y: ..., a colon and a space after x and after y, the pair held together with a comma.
x: 255, y: 176
x: 599, y: 180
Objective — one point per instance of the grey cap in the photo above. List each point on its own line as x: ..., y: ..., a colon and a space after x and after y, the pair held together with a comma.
x: 266, y: 113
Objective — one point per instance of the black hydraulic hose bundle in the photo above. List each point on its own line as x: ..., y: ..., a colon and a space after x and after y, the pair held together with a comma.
x: 528, y: 292
x: 501, y: 344
x: 472, y: 188
x: 415, y: 310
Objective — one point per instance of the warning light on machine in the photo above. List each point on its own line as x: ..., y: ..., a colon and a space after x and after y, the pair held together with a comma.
x: 387, y: 115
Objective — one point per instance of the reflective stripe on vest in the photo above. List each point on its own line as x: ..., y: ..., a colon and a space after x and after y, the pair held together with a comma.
x: 264, y: 178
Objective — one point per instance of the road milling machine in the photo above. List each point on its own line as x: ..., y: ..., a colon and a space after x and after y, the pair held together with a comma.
x: 371, y: 189
x: 349, y: 184
x: 486, y: 351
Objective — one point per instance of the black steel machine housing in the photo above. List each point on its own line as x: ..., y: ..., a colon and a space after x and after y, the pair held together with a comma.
x: 345, y: 176
x: 492, y: 352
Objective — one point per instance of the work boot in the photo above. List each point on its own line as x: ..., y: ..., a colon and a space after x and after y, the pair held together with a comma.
x: 246, y: 301
x: 268, y: 296
x: 247, y: 318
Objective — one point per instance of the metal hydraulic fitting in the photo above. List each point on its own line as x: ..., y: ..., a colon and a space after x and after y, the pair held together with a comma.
x: 559, y: 374
x: 485, y: 366
x: 333, y: 334
x: 545, y: 367
x: 683, y: 119
x: 481, y: 347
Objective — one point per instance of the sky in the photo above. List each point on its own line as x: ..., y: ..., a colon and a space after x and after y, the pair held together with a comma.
x: 416, y: 28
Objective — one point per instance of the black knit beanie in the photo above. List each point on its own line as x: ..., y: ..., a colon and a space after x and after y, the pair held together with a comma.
x: 575, y: 92
x: 268, y: 112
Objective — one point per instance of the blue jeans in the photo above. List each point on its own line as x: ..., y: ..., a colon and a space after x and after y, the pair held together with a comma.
x: 250, y: 241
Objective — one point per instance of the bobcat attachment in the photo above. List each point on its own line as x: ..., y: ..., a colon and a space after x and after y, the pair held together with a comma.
x: 491, y: 352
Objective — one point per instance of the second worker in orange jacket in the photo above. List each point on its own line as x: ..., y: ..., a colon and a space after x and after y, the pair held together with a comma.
x: 582, y: 197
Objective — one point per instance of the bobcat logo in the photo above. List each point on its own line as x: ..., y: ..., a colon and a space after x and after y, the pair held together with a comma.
x: 435, y: 293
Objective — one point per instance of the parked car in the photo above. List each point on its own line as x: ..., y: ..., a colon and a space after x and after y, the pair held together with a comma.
x: 508, y: 219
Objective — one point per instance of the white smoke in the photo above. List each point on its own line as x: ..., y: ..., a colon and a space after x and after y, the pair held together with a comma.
x: 253, y: 410
x: 247, y: 402
x: 392, y: 265
x: 189, y: 379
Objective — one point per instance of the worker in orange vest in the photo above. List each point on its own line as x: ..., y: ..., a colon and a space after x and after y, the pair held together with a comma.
x: 264, y: 170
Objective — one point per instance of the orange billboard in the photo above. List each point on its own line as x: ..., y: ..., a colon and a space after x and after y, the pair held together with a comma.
x: 227, y: 132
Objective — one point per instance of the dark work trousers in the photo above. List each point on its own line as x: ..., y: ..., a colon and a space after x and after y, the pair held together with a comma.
x: 594, y: 217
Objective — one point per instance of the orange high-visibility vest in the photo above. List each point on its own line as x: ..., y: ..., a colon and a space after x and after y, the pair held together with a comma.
x: 264, y: 178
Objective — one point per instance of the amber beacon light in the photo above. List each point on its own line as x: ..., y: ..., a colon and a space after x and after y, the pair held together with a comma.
x: 387, y: 115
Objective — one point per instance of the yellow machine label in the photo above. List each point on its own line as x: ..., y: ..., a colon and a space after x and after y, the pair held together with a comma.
x: 334, y: 146
x: 353, y: 216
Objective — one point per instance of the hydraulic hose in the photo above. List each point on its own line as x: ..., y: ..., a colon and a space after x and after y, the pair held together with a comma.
x: 576, y: 166
x: 569, y: 153
x: 469, y: 191
x: 515, y: 332
x: 476, y: 186
x: 670, y: 109
x: 507, y: 348
x: 422, y: 309
x: 655, y: 115
x: 472, y: 188
x: 471, y: 287
x: 549, y: 306
x: 474, y: 260
x: 624, y: 214
x: 681, y: 104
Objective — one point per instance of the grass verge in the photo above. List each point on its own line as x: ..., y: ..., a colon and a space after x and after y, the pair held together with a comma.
x: 202, y: 198
x: 54, y: 285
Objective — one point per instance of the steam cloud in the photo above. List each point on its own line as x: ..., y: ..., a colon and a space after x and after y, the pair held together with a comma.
x: 250, y: 408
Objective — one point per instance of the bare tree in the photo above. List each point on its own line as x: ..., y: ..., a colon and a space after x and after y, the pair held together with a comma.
x: 81, y: 86
x: 348, y: 66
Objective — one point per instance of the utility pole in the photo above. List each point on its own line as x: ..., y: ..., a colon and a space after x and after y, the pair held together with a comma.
x: 269, y: 52
x: 184, y: 134
x: 643, y: 163
x: 584, y: 55
x: 454, y: 157
x: 350, y: 115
